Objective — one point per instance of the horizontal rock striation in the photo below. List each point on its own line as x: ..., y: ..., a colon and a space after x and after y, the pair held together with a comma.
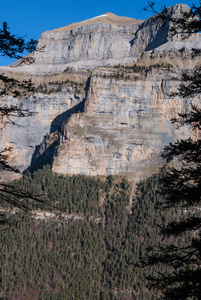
x: 26, y: 136
x: 89, y: 43
x: 102, y: 119
x: 104, y: 40
x: 124, y: 127
x: 153, y: 33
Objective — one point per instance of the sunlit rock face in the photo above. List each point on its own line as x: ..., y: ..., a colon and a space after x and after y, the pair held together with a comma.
x: 104, y: 40
x: 124, y: 127
x: 118, y: 122
x: 92, y: 42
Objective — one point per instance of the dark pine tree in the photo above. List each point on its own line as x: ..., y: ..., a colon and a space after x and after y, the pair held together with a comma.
x: 181, y: 189
x: 13, y: 46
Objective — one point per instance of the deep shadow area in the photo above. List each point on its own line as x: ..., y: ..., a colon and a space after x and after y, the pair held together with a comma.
x: 44, y: 153
x: 155, y: 41
x: 58, y: 121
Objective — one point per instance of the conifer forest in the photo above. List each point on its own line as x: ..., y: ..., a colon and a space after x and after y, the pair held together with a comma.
x: 86, y: 242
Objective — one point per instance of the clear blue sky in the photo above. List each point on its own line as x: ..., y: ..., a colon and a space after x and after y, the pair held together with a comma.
x: 30, y: 18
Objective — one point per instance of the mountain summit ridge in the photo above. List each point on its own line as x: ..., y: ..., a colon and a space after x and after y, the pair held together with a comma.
x: 102, y: 101
x: 107, y: 17
x: 104, y: 40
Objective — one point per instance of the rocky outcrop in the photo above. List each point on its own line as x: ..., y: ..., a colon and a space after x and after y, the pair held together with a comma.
x: 27, y: 135
x: 124, y: 127
x: 104, y: 40
x: 118, y: 122
x: 153, y: 33
x: 92, y: 42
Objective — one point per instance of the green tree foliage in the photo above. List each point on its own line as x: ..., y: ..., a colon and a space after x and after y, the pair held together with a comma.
x: 181, y: 188
x: 12, y: 46
x: 90, y: 250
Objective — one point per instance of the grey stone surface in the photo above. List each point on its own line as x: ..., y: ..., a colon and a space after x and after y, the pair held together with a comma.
x: 49, y: 113
x: 91, y: 43
x: 124, y: 123
x: 124, y: 127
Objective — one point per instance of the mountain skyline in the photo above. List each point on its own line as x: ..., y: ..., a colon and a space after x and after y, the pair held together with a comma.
x: 31, y: 18
x: 94, y: 114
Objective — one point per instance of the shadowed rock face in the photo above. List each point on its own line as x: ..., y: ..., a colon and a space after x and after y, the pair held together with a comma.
x: 121, y: 122
x: 50, y: 112
x: 152, y: 33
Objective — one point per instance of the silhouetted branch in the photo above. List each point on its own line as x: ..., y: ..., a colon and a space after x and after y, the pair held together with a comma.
x: 187, y: 24
x: 11, y: 45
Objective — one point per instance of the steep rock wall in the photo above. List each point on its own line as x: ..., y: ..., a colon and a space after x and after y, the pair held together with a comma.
x: 124, y: 127
x: 153, y: 33
x: 93, y: 42
x: 49, y: 113
x: 125, y: 122
x: 103, y: 40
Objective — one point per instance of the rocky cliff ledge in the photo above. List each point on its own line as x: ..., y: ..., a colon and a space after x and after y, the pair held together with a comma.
x: 124, y: 126
x: 112, y: 116
x: 104, y: 40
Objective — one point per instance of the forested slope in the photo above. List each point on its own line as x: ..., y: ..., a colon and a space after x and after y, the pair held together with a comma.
x: 91, y: 245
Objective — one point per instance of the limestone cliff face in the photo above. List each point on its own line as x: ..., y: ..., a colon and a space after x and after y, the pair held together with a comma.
x: 152, y: 33
x: 124, y: 127
x: 103, y: 40
x: 25, y: 137
x: 102, y: 119
x: 96, y: 42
